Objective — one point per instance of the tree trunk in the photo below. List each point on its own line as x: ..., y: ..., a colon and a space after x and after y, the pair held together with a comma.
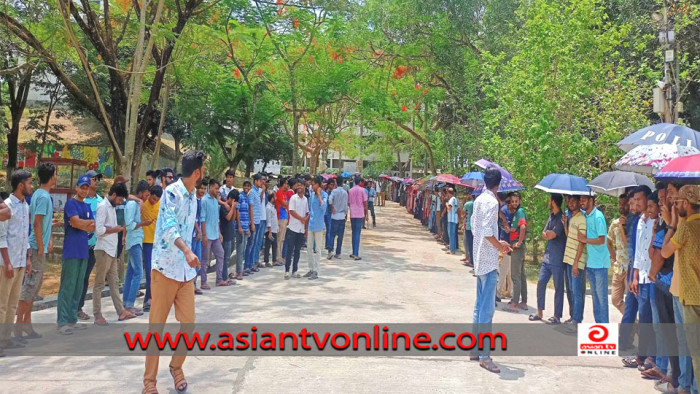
x: 249, y: 167
x: 324, y: 160
x: 18, y: 92
x: 295, y: 121
x: 423, y: 141
x: 177, y: 154
x: 163, y: 112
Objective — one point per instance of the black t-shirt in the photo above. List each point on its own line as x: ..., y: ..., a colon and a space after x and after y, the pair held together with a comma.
x: 227, y: 227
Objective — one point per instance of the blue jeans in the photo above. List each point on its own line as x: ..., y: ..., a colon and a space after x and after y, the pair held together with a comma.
x: 134, y: 273
x: 329, y: 233
x: 147, y: 253
x: 660, y: 358
x: 356, y: 225
x: 547, y: 271
x: 259, y: 240
x: 485, y: 306
x: 452, y: 231
x: 337, y: 230
x: 469, y: 244
x: 685, y: 380
x: 197, y: 250
x: 598, y: 277
x: 229, y: 246
x: 628, y: 319
x: 578, y: 292
x: 250, y: 247
x: 241, y: 244
x: 647, y: 338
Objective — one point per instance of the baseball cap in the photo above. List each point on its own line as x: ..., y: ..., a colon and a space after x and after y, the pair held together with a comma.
x: 690, y: 193
x: 84, y: 180
x: 93, y: 174
x: 121, y: 179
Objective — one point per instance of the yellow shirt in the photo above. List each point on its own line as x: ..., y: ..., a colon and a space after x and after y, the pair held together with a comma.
x: 150, y: 211
x: 687, y: 241
x: 615, y: 236
x: 576, y: 223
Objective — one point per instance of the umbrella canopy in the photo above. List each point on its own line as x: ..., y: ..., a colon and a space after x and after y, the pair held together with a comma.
x: 683, y: 169
x: 565, y: 184
x: 395, y: 179
x: 649, y: 159
x: 447, y: 178
x: 384, y: 176
x: 408, y: 181
x: 614, y: 183
x: 345, y: 174
x: 473, y: 179
x: 661, y: 133
x: 506, y: 186
x: 484, y: 164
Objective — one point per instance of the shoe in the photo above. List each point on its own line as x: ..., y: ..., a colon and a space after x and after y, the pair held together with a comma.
x: 313, y: 276
x: 337, y: 256
x: 488, y: 365
x: 78, y: 326
x: 255, y: 270
x: 330, y: 255
x: 268, y: 265
x: 198, y: 292
x: 308, y: 274
x: 286, y: 275
x: 239, y: 277
x: 296, y: 275
x: 65, y: 330
x: 83, y: 316
x: 205, y: 286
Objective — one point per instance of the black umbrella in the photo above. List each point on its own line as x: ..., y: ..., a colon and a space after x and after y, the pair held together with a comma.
x: 614, y: 183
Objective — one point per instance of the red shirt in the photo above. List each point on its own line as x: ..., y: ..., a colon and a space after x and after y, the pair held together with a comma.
x: 280, y: 197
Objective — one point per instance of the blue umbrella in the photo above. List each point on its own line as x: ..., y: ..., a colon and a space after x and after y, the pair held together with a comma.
x: 473, y: 178
x: 345, y: 175
x: 565, y: 184
x: 661, y: 133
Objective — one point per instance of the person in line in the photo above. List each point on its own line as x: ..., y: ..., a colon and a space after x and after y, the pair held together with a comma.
x: 197, y: 236
x: 467, y: 229
x: 134, y: 246
x: 167, y: 177
x: 282, y: 206
x: 272, y: 231
x: 93, y: 200
x: 617, y: 246
x: 517, y: 235
x: 575, y: 260
x: 328, y: 217
x: 296, y: 231
x: 597, y: 257
x: 149, y: 213
x: 41, y: 243
x: 505, y: 282
x: 174, y: 268
x: 318, y: 204
x: 243, y: 215
x: 628, y: 326
x: 372, y: 195
x: 212, y: 241
x: 486, y: 250
x: 79, y: 222
x: 256, y: 231
x: 152, y: 177
x: 227, y: 187
x: 106, y: 256
x: 229, y: 229
x: 338, y: 204
x: 452, y: 208
x: 357, y: 202
x: 14, y: 251
x: 260, y: 207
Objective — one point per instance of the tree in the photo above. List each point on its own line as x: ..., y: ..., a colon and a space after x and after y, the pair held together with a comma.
x: 45, y: 132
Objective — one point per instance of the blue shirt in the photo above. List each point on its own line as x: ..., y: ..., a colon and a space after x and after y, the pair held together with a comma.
x: 452, y: 212
x: 41, y: 205
x: 372, y: 194
x: 93, y: 202
x: 317, y: 211
x: 243, y: 211
x: 502, y: 235
x: 75, y: 242
x: 176, y: 217
x: 256, y: 203
x: 199, y: 217
x: 598, y: 256
x: 132, y: 217
x: 210, y: 216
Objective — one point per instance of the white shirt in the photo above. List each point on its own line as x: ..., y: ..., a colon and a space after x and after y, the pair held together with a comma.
x: 642, y: 260
x: 106, y: 218
x: 485, y: 224
x: 14, y: 233
x: 271, y: 214
x: 300, y: 205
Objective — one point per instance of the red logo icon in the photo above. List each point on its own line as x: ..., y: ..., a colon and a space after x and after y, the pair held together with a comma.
x: 597, y: 333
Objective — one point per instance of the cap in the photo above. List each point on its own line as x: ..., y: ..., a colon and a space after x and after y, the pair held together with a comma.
x: 690, y: 193
x: 121, y: 179
x: 84, y: 180
x: 93, y: 174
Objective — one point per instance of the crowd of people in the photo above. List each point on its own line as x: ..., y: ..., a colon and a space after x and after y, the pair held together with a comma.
x: 652, y: 247
x: 167, y: 229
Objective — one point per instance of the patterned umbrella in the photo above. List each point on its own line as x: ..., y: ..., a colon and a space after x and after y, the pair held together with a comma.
x: 408, y: 181
x: 683, y: 169
x: 661, y: 133
x: 447, y: 178
x: 649, y: 159
x: 506, y: 186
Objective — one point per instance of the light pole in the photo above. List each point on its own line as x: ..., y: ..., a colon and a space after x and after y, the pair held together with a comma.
x: 669, y: 85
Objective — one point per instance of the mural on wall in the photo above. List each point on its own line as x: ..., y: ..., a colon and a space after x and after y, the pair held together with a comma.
x: 98, y: 158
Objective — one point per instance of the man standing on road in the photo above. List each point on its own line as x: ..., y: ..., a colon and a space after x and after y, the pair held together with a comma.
x: 327, y: 218
x: 78, y: 224
x: 552, y: 262
x: 243, y: 215
x: 174, y: 267
x: 106, y: 254
x: 150, y: 213
x: 486, y: 250
x: 41, y: 243
x: 318, y: 203
x: 282, y: 205
x: 467, y: 228
x: 226, y: 188
x: 93, y: 200
x: 252, y: 254
x: 14, y: 250
x: 518, y: 230
x: 617, y: 246
x: 452, y: 219
x: 370, y: 202
x: 338, y: 204
x: 134, y: 247
x: 598, y: 257
x: 357, y: 201
x: 296, y: 231
x: 212, y: 241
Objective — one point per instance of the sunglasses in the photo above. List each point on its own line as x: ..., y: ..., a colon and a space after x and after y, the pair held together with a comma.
x: 678, y: 201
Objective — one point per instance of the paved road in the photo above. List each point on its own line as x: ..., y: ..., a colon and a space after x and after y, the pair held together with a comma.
x: 404, y: 277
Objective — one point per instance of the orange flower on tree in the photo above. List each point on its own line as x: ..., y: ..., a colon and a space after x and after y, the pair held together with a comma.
x: 237, y: 73
x: 403, y: 108
x: 400, y: 71
x: 259, y: 72
x: 295, y: 21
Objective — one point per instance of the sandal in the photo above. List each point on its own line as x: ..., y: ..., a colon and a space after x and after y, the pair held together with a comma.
x: 126, y: 315
x: 510, y: 308
x: 488, y: 365
x: 630, y: 362
x: 534, y: 317
x: 553, y: 320
x: 654, y: 374
x: 205, y: 286
x: 179, y: 380
x: 149, y: 388
x: 523, y: 306
x: 357, y: 258
x: 223, y: 283
x: 647, y: 365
